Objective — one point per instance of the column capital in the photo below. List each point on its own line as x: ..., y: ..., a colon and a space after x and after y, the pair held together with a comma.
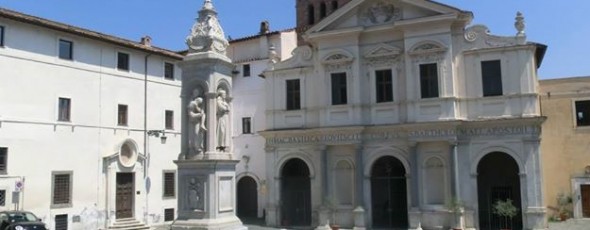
x: 211, y: 95
x: 270, y: 149
x: 359, y: 146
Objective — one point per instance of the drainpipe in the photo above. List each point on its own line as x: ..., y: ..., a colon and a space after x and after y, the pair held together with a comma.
x: 145, y: 135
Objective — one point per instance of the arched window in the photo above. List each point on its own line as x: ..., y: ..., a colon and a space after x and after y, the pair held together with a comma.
x: 334, y: 5
x: 310, y: 15
x: 322, y: 10
x: 344, y: 182
x: 434, y: 173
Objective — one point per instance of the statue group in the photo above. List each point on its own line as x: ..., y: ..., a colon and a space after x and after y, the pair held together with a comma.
x: 197, y: 116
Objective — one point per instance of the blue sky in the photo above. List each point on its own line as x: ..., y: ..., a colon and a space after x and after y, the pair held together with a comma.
x: 562, y: 25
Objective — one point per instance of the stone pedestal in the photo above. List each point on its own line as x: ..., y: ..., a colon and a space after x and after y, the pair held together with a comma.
x: 207, y: 195
x: 206, y: 168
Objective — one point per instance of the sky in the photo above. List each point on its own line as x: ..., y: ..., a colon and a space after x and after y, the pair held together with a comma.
x: 562, y: 25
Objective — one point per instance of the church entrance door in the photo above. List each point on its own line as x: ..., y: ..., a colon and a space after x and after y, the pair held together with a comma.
x: 295, y: 194
x: 389, y: 194
x: 498, y: 179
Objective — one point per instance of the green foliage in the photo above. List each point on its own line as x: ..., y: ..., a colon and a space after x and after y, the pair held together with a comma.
x: 505, y: 208
x: 454, y: 205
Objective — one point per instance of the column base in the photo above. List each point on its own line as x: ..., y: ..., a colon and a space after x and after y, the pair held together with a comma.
x: 535, y: 218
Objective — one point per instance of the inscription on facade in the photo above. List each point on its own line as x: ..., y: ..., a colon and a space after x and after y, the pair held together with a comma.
x: 414, y: 134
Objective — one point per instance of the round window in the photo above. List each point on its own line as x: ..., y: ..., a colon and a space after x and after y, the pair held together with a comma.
x: 128, y: 154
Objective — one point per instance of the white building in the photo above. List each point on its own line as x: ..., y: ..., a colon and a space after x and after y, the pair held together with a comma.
x: 390, y: 110
x: 387, y: 111
x: 252, y: 55
x: 75, y: 129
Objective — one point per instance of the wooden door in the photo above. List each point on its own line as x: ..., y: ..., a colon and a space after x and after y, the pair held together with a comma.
x: 585, y: 190
x: 124, y: 200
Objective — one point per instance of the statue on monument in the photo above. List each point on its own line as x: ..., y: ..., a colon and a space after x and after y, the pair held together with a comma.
x: 197, y: 129
x: 222, y: 120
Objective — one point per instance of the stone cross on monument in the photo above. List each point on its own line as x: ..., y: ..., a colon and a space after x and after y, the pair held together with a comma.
x: 206, y: 166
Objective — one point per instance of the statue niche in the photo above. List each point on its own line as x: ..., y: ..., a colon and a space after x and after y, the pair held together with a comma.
x: 222, y: 120
x: 197, y: 128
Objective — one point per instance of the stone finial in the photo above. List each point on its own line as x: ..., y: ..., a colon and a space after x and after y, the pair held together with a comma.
x: 206, y: 34
x: 273, y: 57
x: 519, y: 24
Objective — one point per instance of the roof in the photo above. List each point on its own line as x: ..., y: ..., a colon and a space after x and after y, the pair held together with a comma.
x: 37, y: 21
x: 260, y: 35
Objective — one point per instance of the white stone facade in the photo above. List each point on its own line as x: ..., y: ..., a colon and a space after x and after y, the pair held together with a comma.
x: 256, y: 52
x: 86, y: 146
x: 330, y: 130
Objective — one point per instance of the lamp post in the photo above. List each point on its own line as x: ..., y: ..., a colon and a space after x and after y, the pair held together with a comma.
x: 158, y: 133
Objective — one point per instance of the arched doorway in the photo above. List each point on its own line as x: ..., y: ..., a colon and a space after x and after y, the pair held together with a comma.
x: 498, y: 179
x: 247, y: 200
x: 295, y: 194
x: 389, y: 194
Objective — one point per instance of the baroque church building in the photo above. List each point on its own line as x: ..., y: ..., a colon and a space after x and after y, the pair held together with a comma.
x: 388, y: 114
x: 395, y: 114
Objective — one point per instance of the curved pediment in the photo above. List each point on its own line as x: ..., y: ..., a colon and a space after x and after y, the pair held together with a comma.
x: 479, y: 36
x: 338, y: 57
x: 383, y: 50
x: 427, y: 47
x: 301, y: 56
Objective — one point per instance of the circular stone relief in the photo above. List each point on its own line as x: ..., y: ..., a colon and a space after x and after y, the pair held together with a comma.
x: 128, y: 154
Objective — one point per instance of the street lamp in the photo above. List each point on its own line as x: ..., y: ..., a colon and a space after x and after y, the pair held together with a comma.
x: 157, y: 133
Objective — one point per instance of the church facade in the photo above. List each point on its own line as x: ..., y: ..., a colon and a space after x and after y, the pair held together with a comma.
x: 397, y: 114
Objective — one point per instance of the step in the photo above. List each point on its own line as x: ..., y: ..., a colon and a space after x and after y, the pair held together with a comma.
x: 128, y: 224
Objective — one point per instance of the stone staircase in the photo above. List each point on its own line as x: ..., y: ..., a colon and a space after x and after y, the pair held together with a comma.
x: 128, y: 224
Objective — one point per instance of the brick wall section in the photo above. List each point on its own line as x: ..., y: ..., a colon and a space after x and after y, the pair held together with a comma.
x: 303, y: 14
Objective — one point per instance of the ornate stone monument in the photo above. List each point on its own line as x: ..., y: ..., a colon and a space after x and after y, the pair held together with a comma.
x: 206, y: 167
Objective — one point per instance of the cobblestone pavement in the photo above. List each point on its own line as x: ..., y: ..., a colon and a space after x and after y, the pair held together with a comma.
x: 571, y: 224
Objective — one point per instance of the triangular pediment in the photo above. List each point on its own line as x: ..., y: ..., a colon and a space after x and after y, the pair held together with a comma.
x: 369, y: 13
x: 383, y: 50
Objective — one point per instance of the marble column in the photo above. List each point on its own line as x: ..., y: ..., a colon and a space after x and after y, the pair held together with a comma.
x: 359, y: 212
x: 414, y: 214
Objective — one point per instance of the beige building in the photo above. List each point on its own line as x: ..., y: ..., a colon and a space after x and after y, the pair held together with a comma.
x: 565, y: 145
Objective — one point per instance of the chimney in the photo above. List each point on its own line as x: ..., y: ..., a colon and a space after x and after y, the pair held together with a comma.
x: 146, y: 40
x: 264, y: 27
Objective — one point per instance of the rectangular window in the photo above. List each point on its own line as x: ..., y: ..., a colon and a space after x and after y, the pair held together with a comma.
x: 491, y: 78
x: 61, y: 222
x: 66, y: 49
x: 62, y: 189
x: 339, y: 96
x: 2, y: 198
x: 122, y: 115
x: 246, y: 125
x: 3, y: 160
x: 429, y: 80
x: 1, y: 36
x: 246, y: 70
x: 122, y: 61
x: 293, y: 95
x: 169, y: 119
x: 583, y: 113
x: 64, y: 109
x: 168, y: 214
x: 168, y: 71
x: 169, y: 184
x: 384, y: 85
